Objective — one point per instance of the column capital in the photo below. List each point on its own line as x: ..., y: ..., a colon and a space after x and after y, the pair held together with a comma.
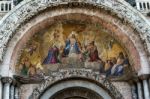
x: 137, y: 80
x: 7, y: 79
x: 144, y: 77
x: 132, y: 82
x: 15, y: 83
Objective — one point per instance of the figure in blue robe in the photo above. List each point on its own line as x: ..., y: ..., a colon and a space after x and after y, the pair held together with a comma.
x: 52, y: 57
x: 68, y: 49
x: 72, y: 46
x: 118, y: 70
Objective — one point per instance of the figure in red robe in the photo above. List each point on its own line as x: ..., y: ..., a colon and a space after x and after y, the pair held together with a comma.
x: 92, y: 52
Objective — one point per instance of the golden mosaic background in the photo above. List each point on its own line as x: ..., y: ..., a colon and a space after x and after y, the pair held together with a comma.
x: 107, y: 46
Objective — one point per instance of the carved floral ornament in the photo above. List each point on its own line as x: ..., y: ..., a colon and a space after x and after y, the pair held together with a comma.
x: 28, y: 8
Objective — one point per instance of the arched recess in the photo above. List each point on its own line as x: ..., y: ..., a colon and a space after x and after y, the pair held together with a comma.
x: 74, y: 83
x: 127, y: 21
x: 51, y: 88
x: 76, y: 93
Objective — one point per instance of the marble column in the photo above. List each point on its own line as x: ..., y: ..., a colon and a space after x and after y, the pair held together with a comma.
x: 1, y: 88
x: 6, y: 87
x: 4, y: 7
x: 138, y: 5
x: 12, y: 91
x: 12, y: 4
x: 142, y: 7
x: 16, y: 92
x: 145, y: 5
x: 139, y: 88
x: 133, y: 90
x: 149, y: 84
x: 146, y: 89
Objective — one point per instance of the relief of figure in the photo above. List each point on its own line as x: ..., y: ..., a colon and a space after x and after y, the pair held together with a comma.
x: 55, y: 48
x: 72, y: 47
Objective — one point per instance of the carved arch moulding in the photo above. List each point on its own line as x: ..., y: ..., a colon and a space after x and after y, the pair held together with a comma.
x: 75, y: 74
x: 29, y: 8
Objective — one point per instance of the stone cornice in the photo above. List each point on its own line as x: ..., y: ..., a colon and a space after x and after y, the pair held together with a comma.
x: 27, y: 9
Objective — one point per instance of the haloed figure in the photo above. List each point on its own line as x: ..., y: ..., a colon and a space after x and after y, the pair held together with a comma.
x: 92, y: 52
x: 54, y: 50
x: 72, y: 46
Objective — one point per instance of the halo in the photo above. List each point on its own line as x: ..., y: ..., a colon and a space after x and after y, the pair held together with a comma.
x: 73, y: 33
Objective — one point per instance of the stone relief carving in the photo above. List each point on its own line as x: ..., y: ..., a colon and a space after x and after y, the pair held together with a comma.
x: 67, y: 73
x: 29, y: 8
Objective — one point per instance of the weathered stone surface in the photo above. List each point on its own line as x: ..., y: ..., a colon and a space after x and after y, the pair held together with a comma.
x: 26, y: 90
x: 124, y: 88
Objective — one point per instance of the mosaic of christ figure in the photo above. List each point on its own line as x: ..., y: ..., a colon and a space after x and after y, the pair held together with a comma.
x: 72, y: 47
x: 64, y: 43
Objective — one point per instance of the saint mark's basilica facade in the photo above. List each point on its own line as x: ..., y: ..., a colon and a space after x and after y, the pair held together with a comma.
x: 74, y: 49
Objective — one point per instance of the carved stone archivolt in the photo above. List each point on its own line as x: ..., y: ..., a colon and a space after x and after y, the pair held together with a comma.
x: 75, y: 73
x: 27, y: 9
x: 80, y: 93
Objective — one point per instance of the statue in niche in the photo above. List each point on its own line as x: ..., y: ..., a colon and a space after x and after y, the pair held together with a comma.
x: 72, y: 47
x: 55, y: 49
